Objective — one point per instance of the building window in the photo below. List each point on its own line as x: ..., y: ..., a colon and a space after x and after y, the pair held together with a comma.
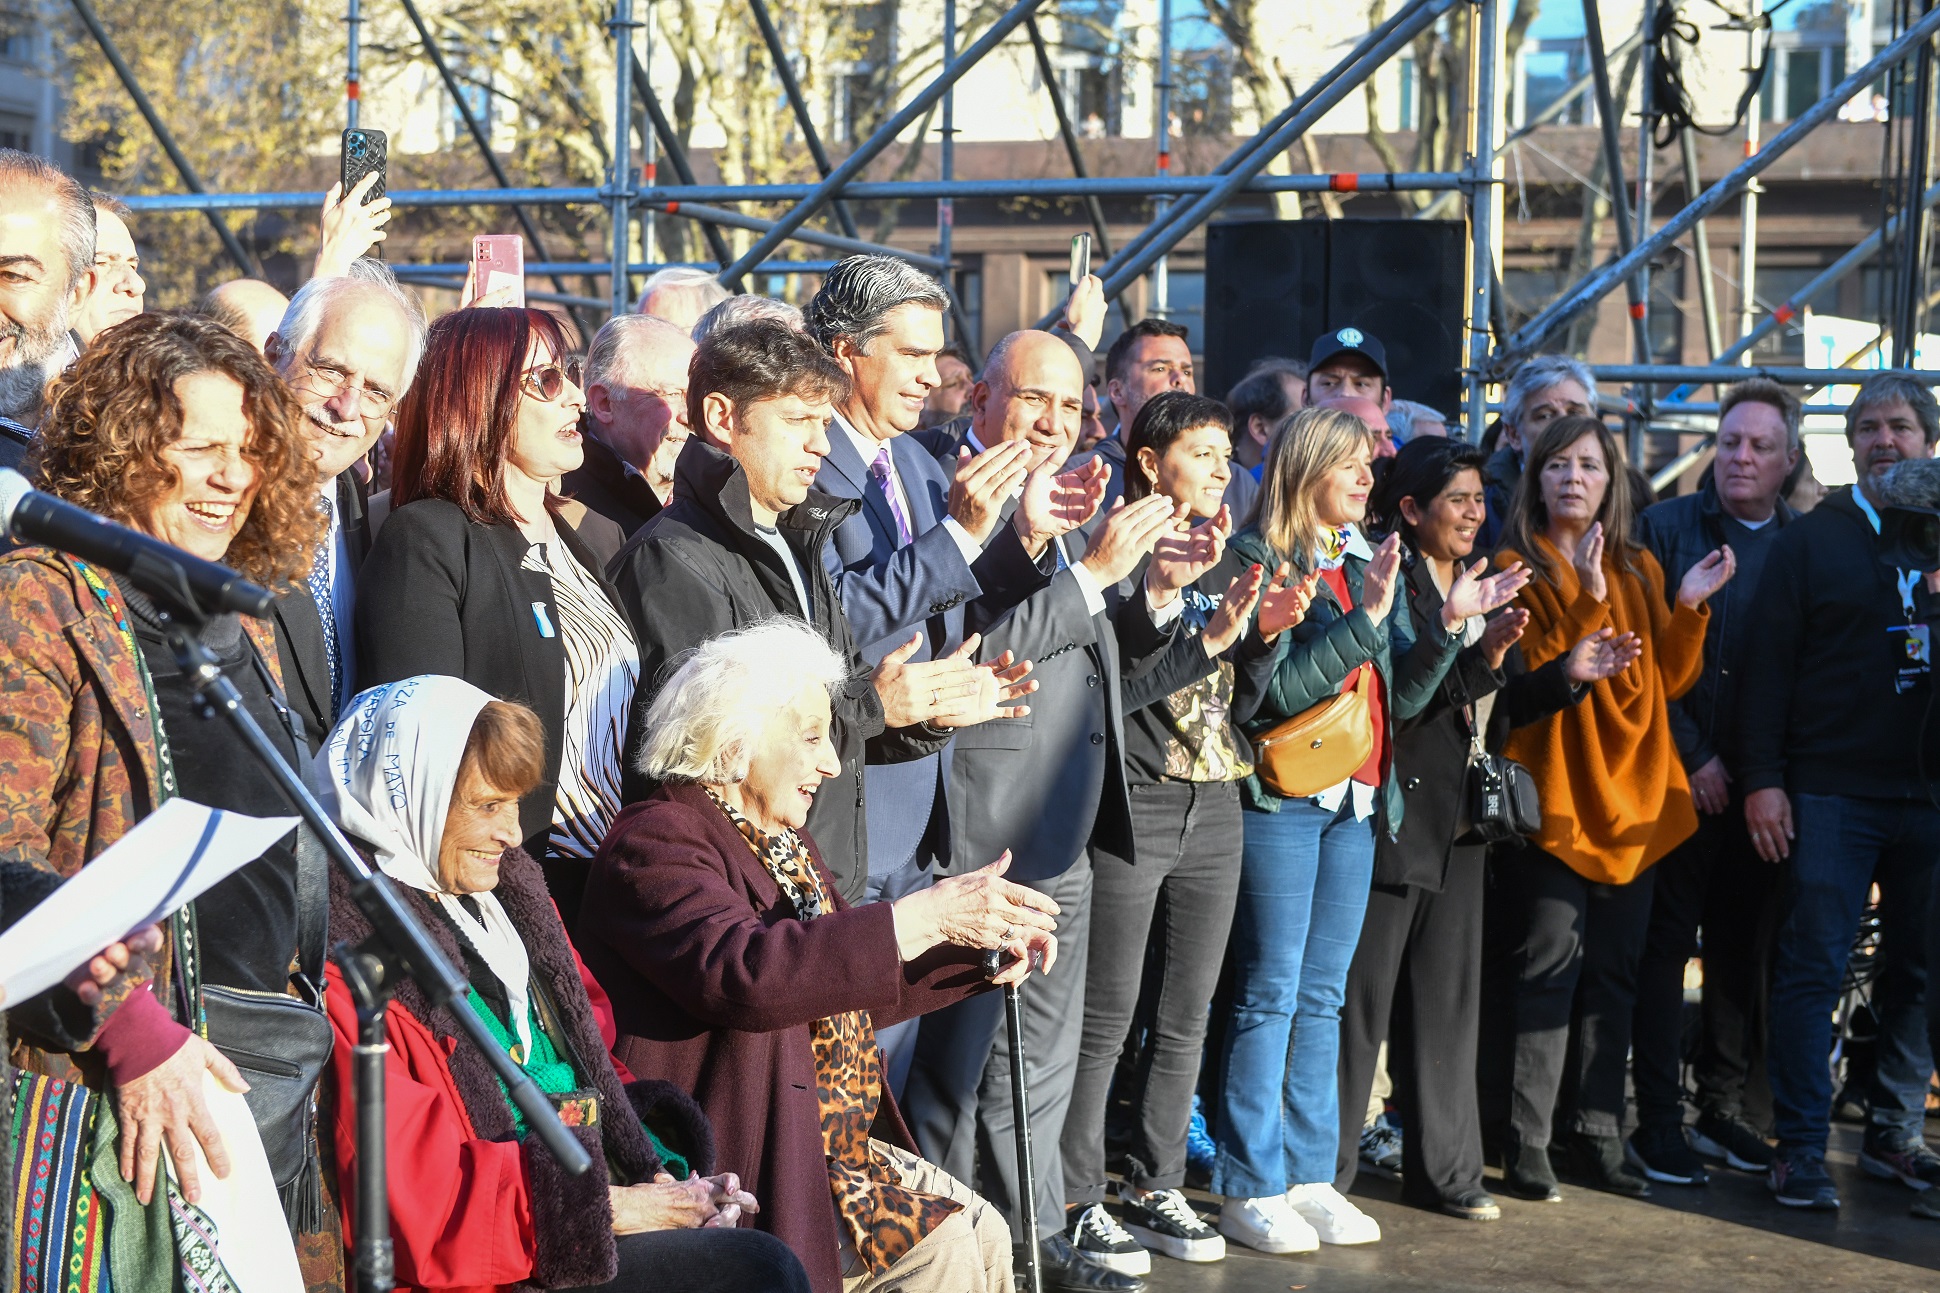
x: 1545, y: 70
x: 17, y: 132
x: 1408, y: 96
x: 1202, y: 92
x: 969, y: 293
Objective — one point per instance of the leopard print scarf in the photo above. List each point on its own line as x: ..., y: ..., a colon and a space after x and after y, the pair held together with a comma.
x: 885, y: 1219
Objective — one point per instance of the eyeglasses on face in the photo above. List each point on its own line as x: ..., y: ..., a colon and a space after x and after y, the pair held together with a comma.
x: 329, y: 381
x: 548, y: 381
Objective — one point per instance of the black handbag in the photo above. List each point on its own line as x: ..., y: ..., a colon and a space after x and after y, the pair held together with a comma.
x: 1500, y: 801
x: 282, y: 1042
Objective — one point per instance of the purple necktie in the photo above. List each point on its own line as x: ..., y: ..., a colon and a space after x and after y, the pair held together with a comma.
x: 887, y: 484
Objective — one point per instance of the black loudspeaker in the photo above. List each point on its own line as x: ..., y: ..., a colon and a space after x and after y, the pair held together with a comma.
x: 1273, y: 286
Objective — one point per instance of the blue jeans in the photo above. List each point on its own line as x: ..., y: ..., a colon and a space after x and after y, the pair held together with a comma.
x: 1304, y: 877
x: 1844, y: 846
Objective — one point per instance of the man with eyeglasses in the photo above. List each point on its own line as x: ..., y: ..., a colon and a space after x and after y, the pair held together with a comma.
x: 636, y: 420
x: 347, y: 348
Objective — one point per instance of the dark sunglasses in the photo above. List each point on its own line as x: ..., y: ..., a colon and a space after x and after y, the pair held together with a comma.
x: 547, y: 380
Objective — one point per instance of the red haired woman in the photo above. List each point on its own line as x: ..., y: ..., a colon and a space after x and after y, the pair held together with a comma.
x: 474, y: 575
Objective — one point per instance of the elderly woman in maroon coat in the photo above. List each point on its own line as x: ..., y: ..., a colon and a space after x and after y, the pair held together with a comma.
x: 738, y: 973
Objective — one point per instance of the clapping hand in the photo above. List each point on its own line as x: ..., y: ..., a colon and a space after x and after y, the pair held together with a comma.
x: 1056, y: 503
x: 1229, y: 621
x: 1379, y: 579
x: 1603, y: 654
x: 1186, y: 553
x: 980, y: 910
x: 1002, y: 684
x: 350, y: 228
x: 1471, y: 594
x: 1588, y: 560
x: 1284, y: 602
x: 1707, y: 577
x: 1129, y: 531
x: 1501, y: 633
x: 984, y: 482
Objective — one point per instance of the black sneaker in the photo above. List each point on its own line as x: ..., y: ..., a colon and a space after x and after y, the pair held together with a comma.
x: 1662, y: 1154
x: 1472, y: 1205
x: 1732, y: 1140
x: 1066, y: 1272
x: 1599, y: 1160
x: 1381, y: 1148
x: 1912, y: 1164
x: 1100, y: 1240
x: 1164, y: 1222
x: 1798, y: 1180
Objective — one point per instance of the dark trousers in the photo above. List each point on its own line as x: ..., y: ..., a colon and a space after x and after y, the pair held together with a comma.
x: 1178, y: 900
x: 1419, y: 964
x: 1845, y: 845
x: 1714, y: 882
x: 1560, y: 970
x: 705, y: 1261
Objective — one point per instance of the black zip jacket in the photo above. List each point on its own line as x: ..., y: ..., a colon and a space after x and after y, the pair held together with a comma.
x: 1681, y: 532
x: 697, y: 570
x: 1819, y: 714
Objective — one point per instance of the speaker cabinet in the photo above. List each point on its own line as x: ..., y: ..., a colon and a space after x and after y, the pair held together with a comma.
x: 1273, y: 286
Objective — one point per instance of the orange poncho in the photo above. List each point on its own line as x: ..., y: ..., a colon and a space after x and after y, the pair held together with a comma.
x: 1614, y: 795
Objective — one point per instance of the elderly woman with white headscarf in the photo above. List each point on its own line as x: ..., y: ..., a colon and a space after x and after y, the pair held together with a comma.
x: 425, y: 775
x: 738, y: 971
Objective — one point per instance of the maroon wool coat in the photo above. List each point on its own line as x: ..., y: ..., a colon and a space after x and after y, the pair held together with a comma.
x: 715, y: 986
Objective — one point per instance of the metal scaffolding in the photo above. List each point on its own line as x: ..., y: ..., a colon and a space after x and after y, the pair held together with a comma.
x: 1180, y: 204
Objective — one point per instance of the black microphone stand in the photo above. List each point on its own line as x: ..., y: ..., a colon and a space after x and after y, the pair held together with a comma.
x: 397, y: 946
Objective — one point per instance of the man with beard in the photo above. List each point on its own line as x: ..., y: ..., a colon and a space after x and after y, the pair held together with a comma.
x: 1835, y: 696
x: 348, y: 348
x: 47, y: 252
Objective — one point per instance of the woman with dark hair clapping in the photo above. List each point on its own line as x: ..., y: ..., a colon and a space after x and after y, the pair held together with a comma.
x: 474, y: 575
x: 1420, y: 953
x: 1568, y: 913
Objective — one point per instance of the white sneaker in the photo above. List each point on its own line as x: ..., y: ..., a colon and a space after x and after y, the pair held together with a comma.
x: 1333, y: 1218
x: 1267, y: 1225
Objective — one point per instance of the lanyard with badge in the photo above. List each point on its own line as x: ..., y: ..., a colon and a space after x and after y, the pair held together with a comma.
x: 1912, y: 643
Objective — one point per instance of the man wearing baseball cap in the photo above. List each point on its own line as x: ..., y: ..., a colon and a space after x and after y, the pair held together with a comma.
x: 1347, y: 361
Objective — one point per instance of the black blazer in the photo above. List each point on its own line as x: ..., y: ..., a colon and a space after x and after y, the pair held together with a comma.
x: 607, y: 488
x: 439, y: 594
x: 353, y: 512
x: 305, y: 661
x: 1431, y: 750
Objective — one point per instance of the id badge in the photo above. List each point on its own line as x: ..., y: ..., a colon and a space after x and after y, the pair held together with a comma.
x: 1912, y: 655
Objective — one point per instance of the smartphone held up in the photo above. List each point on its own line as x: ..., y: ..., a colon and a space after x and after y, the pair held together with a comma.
x: 497, y: 274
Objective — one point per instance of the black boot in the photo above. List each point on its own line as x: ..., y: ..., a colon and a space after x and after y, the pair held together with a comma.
x: 1599, y: 1160
x: 1064, y: 1269
x: 1526, y: 1172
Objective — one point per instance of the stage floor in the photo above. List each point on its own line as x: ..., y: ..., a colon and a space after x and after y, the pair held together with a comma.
x: 1729, y: 1237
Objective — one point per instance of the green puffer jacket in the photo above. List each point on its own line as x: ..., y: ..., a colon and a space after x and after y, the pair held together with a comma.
x: 1327, y: 646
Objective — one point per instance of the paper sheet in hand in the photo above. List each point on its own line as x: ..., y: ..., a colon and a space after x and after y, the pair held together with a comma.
x: 170, y: 858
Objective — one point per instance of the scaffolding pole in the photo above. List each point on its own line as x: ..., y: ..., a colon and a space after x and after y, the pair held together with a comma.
x: 190, y: 180
x: 1483, y: 21
x: 946, y: 167
x: 885, y: 135
x: 1785, y: 374
x: 1049, y: 75
x: 815, y: 237
x: 1701, y: 250
x: 1909, y: 312
x: 353, y: 69
x: 1748, y: 208
x: 791, y: 87
x: 1162, y: 166
x: 476, y: 129
x: 1597, y: 285
x: 676, y: 158
x: 623, y: 177
x: 1607, y: 120
x: 1417, y: 18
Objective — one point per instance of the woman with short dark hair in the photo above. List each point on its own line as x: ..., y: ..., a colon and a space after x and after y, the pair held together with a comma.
x: 1568, y: 913
x: 475, y: 576
x: 1419, y: 959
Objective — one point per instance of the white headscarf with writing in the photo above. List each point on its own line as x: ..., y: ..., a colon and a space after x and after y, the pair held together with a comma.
x: 387, y: 775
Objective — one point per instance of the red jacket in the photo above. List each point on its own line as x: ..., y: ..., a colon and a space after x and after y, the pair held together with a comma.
x: 715, y: 985
x: 472, y: 1208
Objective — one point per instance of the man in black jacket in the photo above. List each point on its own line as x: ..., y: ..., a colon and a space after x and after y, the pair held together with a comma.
x: 347, y: 348
x: 743, y: 541
x: 1714, y: 879
x: 636, y: 420
x: 1829, y: 748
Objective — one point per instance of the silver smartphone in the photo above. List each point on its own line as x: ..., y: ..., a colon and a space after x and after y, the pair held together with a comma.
x: 1080, y: 257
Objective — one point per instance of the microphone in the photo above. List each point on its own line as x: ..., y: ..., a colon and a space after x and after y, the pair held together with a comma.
x: 177, y: 581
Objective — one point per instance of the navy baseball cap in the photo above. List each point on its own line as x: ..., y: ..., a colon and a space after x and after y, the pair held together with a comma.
x: 1349, y: 341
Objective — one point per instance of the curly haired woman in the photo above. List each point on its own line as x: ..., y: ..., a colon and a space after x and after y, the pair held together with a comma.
x: 175, y: 427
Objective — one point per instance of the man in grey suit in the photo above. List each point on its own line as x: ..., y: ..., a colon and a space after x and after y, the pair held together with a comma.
x: 1047, y: 787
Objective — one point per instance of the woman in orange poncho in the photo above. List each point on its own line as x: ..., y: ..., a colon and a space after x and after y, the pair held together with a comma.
x: 1568, y: 911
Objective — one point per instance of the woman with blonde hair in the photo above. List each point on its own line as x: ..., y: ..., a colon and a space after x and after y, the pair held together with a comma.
x: 1568, y: 912
x: 1308, y: 857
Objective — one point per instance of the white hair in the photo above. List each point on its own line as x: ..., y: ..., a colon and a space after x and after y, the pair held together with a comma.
x: 307, y: 308
x: 695, y: 285
x: 621, y: 338
x: 745, y: 309
x: 709, y: 717
x: 1537, y: 376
